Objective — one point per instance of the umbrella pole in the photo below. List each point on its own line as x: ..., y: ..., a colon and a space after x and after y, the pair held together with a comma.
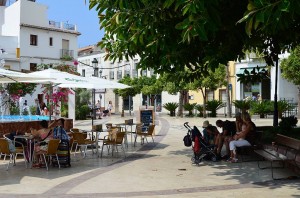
x: 93, y: 108
x: 50, y: 98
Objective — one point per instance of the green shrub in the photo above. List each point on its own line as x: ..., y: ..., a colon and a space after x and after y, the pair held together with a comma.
x: 14, y: 110
x: 213, y: 106
x: 242, y: 105
x: 33, y: 110
x: 199, y: 108
x: 189, y: 107
x: 82, y: 112
x: 287, y: 123
x: 171, y: 107
x: 261, y: 107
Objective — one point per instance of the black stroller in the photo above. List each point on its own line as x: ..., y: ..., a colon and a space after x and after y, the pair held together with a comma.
x: 202, y: 149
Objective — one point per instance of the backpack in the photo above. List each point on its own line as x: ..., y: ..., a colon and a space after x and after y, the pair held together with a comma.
x: 187, y: 140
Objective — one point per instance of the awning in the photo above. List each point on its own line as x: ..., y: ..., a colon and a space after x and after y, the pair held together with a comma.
x: 241, y: 70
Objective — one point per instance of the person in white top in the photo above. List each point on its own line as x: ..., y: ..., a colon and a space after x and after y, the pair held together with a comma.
x: 109, y: 107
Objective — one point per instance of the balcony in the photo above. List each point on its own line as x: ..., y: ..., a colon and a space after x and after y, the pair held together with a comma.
x: 66, y: 55
x: 62, y: 25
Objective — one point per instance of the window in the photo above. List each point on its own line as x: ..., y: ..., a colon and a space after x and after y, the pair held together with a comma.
x: 33, y: 66
x: 144, y: 73
x: 33, y: 39
x: 119, y: 74
x: 209, y: 95
x: 127, y: 73
x: 83, y: 73
x: 111, y: 75
x: 50, y: 41
x: 222, y: 95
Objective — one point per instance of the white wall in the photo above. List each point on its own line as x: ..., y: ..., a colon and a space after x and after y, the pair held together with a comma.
x: 33, y: 13
x: 12, y: 14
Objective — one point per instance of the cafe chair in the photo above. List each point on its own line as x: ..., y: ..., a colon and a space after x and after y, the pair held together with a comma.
x: 51, y: 151
x: 114, y: 141
x: 4, y: 149
x: 82, y: 143
x: 144, y: 135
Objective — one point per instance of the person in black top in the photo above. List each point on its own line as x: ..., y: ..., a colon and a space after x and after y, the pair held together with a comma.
x: 228, y: 131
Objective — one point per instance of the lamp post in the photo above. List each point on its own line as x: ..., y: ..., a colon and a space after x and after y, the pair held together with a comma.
x: 95, y: 66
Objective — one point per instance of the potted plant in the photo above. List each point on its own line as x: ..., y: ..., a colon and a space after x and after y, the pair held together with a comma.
x: 213, y: 106
x: 242, y: 105
x: 261, y: 108
x: 189, y: 107
x: 171, y: 107
x: 199, y: 108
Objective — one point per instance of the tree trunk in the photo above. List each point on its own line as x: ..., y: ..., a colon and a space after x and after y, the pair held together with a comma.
x: 298, y: 111
x: 180, y: 107
x: 204, y: 102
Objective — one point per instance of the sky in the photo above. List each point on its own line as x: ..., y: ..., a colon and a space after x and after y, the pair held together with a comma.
x: 76, y: 12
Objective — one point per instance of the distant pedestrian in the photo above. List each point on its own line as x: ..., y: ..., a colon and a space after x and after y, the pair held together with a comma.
x: 109, y: 107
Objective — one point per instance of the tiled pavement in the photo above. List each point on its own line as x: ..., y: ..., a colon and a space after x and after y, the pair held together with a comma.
x: 160, y: 169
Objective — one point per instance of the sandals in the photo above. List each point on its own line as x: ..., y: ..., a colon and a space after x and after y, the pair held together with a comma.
x: 234, y: 160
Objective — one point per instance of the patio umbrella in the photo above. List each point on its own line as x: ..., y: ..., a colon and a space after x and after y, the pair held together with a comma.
x: 8, y: 76
x: 56, y: 77
x: 95, y: 83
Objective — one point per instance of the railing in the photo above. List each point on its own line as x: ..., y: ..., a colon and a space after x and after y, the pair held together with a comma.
x: 62, y: 25
x: 66, y: 54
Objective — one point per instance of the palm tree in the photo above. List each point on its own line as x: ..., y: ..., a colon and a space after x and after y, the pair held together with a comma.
x: 213, y: 106
x: 190, y: 107
x: 171, y: 106
x: 242, y: 105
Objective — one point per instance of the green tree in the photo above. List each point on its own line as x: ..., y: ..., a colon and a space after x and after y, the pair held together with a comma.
x: 290, y: 70
x: 153, y: 89
x: 134, y: 89
x: 174, y: 85
x: 173, y: 34
x: 266, y: 22
x: 211, y: 81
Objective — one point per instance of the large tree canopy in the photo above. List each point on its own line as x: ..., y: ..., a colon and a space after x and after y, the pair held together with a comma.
x: 173, y: 34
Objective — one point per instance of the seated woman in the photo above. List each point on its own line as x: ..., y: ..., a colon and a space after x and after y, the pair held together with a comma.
x: 212, y: 133
x: 242, y: 138
x: 42, y: 136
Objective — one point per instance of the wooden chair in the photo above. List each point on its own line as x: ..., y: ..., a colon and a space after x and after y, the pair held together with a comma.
x: 4, y: 148
x: 114, y: 141
x: 144, y: 135
x: 81, y: 142
x: 51, y: 151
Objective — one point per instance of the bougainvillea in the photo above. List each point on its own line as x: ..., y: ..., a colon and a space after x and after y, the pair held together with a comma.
x: 17, y: 90
x: 59, y: 94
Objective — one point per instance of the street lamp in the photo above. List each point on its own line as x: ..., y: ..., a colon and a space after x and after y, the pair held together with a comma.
x: 95, y: 66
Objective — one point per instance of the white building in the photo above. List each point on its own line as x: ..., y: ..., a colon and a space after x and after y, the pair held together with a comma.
x: 285, y: 90
x: 28, y: 38
x: 116, y: 71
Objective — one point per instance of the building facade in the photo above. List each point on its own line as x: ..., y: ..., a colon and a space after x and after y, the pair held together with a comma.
x: 115, y: 71
x: 28, y: 39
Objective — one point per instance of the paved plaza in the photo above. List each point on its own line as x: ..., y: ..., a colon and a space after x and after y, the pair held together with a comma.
x: 160, y: 169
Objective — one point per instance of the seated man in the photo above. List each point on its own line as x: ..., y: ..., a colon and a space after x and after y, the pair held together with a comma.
x: 228, y: 131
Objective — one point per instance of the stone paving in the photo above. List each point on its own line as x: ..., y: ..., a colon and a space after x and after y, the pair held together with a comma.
x: 160, y: 169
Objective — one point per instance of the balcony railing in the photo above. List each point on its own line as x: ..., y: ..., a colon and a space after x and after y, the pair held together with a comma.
x: 62, y: 25
x: 66, y: 54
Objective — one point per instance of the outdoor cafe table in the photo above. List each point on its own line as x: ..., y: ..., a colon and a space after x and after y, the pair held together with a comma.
x: 98, y: 132
x: 30, y: 140
x: 125, y: 127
